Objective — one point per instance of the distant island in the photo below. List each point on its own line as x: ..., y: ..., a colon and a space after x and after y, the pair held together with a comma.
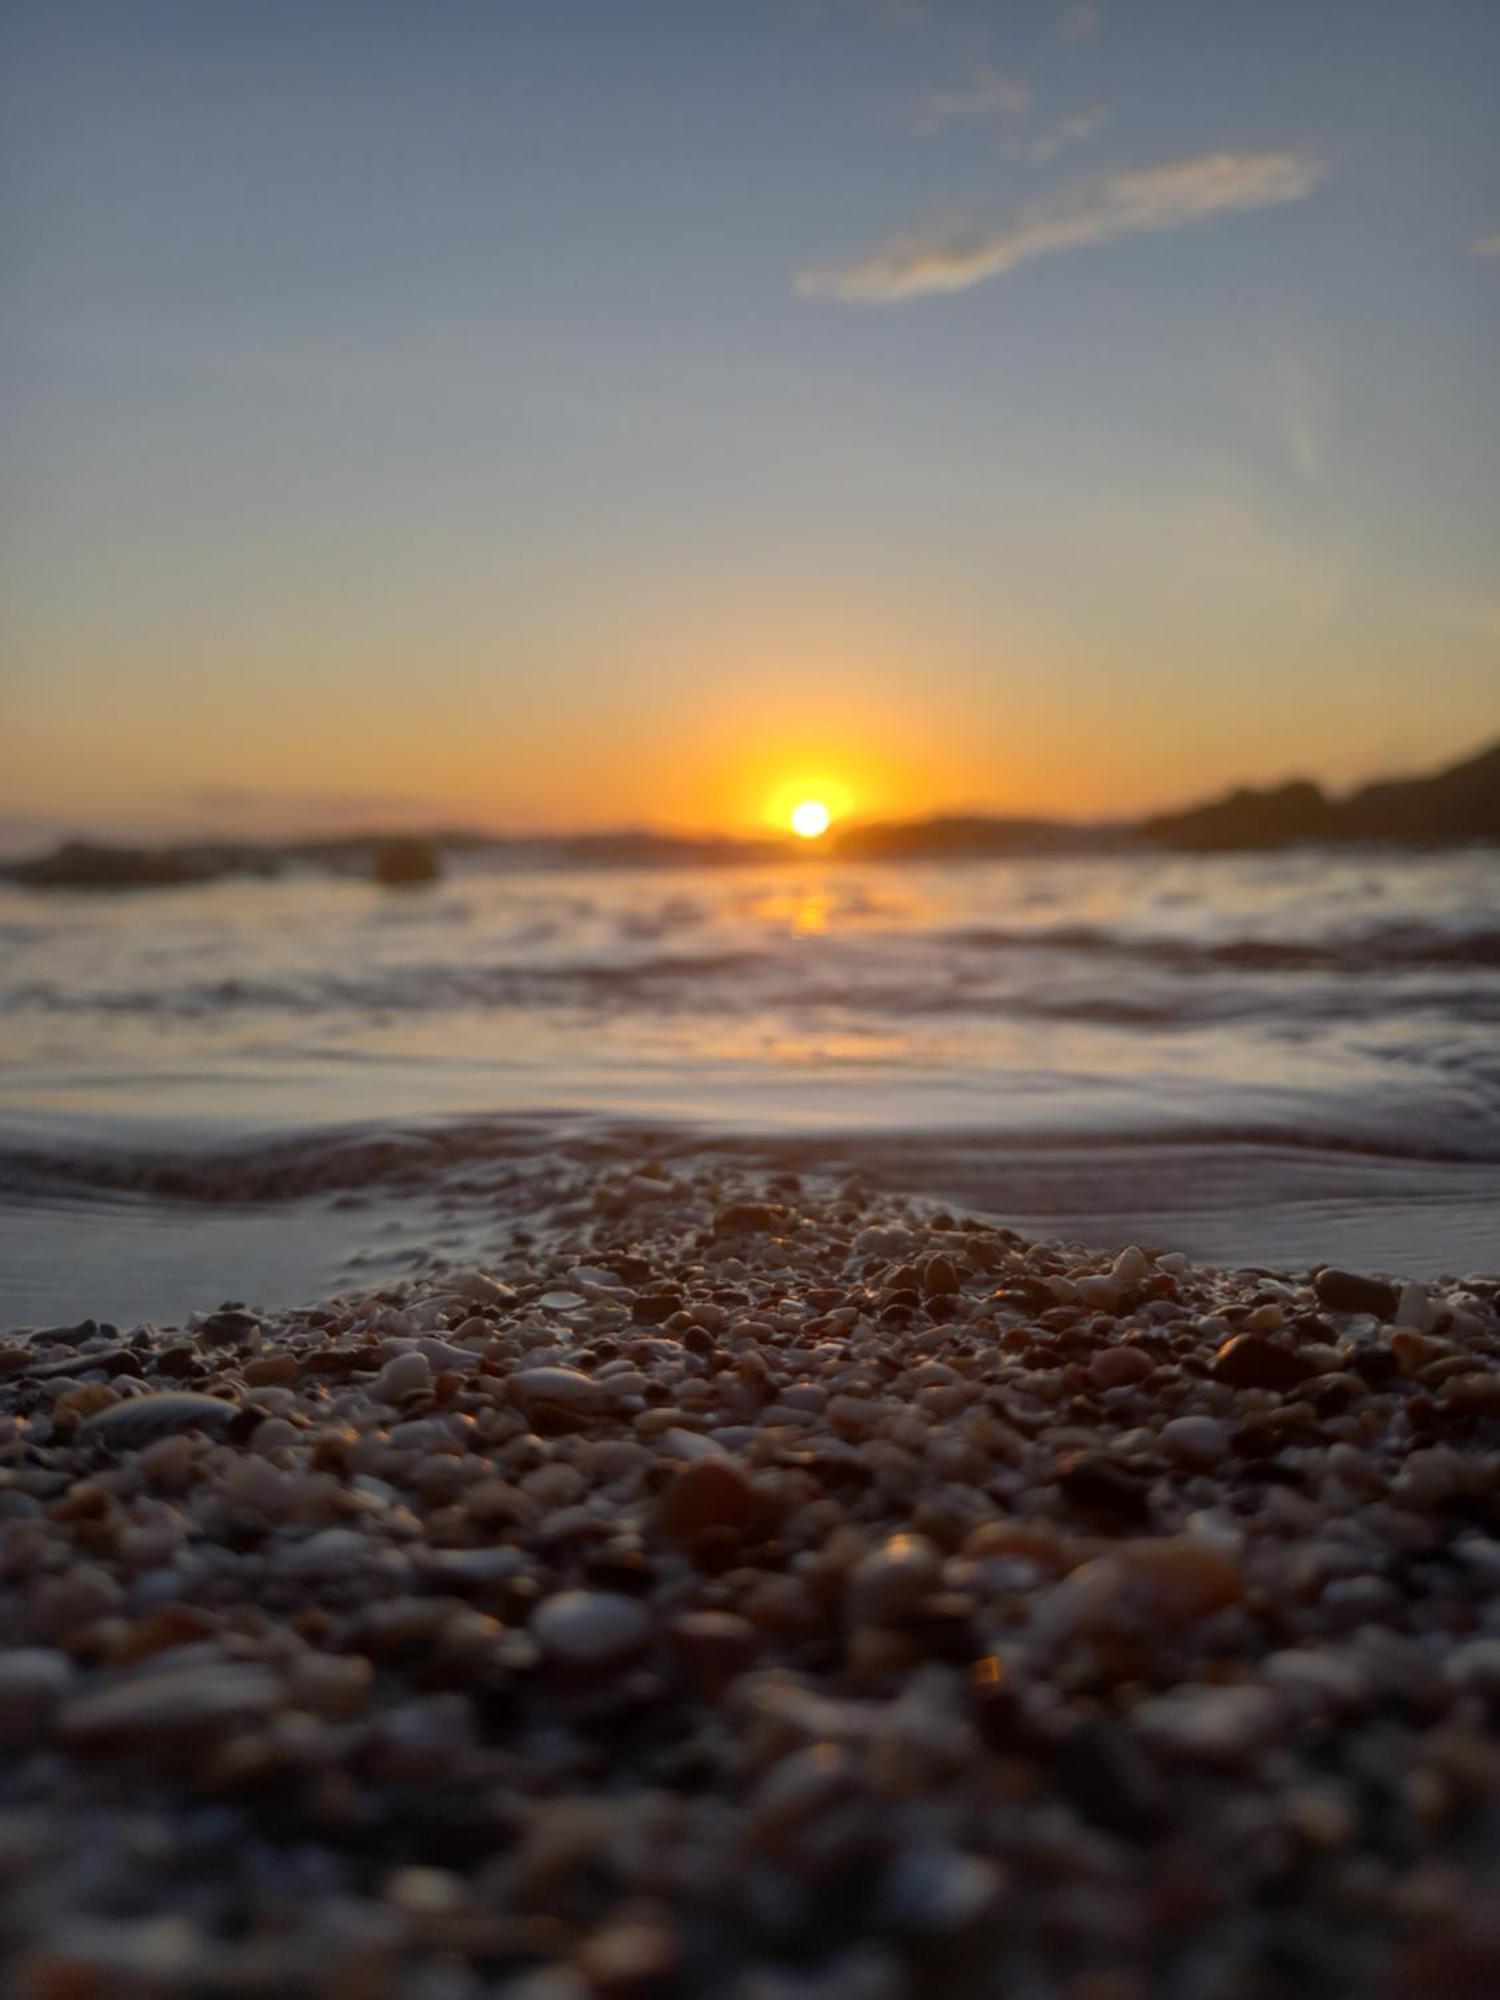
x: 1458, y: 805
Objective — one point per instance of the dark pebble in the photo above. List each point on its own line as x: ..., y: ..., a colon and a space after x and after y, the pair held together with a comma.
x: 651, y: 1308
x: 1250, y: 1361
x: 1108, y: 1781
x: 1346, y: 1291
x: 1100, y: 1486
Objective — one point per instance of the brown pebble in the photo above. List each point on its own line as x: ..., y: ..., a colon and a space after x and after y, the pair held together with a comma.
x: 712, y: 1494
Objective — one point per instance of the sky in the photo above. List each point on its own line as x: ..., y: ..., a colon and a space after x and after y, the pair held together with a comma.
x: 548, y: 413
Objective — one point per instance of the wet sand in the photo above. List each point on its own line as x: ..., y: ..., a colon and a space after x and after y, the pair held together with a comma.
x: 758, y: 1587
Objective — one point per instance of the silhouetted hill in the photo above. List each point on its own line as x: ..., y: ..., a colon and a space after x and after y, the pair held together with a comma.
x: 1461, y: 803
x: 966, y: 836
x: 1249, y: 818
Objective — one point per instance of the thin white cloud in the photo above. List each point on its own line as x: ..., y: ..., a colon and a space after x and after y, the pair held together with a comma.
x: 1298, y: 417
x: 1487, y: 246
x: 992, y: 93
x: 1070, y: 131
x: 954, y: 255
x: 1080, y: 21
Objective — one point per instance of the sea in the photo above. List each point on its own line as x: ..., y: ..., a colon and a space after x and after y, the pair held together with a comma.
x: 268, y: 1090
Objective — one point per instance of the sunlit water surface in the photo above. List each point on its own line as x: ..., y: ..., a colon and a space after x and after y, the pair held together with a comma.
x: 1262, y: 1059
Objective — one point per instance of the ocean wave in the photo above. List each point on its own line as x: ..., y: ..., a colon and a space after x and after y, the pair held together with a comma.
x: 426, y: 1157
x: 1394, y: 947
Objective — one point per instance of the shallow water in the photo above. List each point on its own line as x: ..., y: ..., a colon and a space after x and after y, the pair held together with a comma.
x: 1263, y: 1059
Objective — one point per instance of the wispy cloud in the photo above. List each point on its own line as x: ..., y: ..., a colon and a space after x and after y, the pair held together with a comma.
x: 951, y: 256
x: 1070, y: 131
x: 1487, y: 246
x: 1298, y: 414
x: 1080, y: 21
x: 991, y: 93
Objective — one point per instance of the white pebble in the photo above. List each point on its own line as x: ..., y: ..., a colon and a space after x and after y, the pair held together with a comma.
x: 407, y: 1375
x: 1132, y: 1266
x: 590, y: 1628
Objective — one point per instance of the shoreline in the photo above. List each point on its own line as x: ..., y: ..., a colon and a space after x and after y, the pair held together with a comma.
x: 763, y: 1587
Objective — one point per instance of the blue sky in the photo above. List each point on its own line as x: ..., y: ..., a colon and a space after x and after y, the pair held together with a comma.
x: 562, y: 412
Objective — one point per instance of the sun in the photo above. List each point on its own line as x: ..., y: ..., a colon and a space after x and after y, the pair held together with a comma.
x: 810, y: 818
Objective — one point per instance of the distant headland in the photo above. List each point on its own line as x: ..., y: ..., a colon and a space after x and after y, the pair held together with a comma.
x: 1458, y: 805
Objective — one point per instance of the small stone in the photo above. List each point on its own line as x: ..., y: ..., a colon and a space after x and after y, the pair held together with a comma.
x: 1119, y: 1367
x: 142, y: 1420
x: 1131, y: 1267
x: 558, y: 1391
x: 746, y: 1218
x: 331, y: 1553
x: 1414, y: 1309
x: 939, y: 1278
x: 591, y: 1628
x: 1099, y: 1485
x: 168, y: 1704
x: 1140, y: 1587
x: 1100, y: 1293
x: 934, y: 1891
x: 1251, y: 1361
x: 1200, y: 1442
x: 712, y: 1494
x: 479, y: 1288
x: 1211, y: 1725
x: 1474, y: 1667
x: 33, y: 1680
x: 630, y: 1961
x: 1345, y: 1291
x: 713, y: 1648
x: 801, y: 1787
x: 87, y: 1400
x: 1108, y: 1782
x: 408, y: 1375
x: 889, y: 1584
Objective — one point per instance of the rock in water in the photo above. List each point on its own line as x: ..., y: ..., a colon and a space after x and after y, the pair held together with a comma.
x: 406, y: 864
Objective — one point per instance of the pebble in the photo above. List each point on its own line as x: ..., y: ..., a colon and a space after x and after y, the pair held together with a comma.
x: 887, y: 1586
x: 565, y: 1390
x: 1100, y: 1485
x: 1119, y: 1367
x: 1200, y: 1442
x: 407, y: 1375
x: 1345, y: 1291
x: 591, y: 1628
x: 1210, y: 1725
x: 33, y: 1680
x: 757, y: 1587
x: 171, y: 1703
x: 1250, y: 1361
x: 142, y: 1420
x: 713, y: 1493
x: 1131, y: 1267
x: 938, y: 1891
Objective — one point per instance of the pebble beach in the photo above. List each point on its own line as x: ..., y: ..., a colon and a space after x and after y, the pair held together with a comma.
x: 764, y: 1587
